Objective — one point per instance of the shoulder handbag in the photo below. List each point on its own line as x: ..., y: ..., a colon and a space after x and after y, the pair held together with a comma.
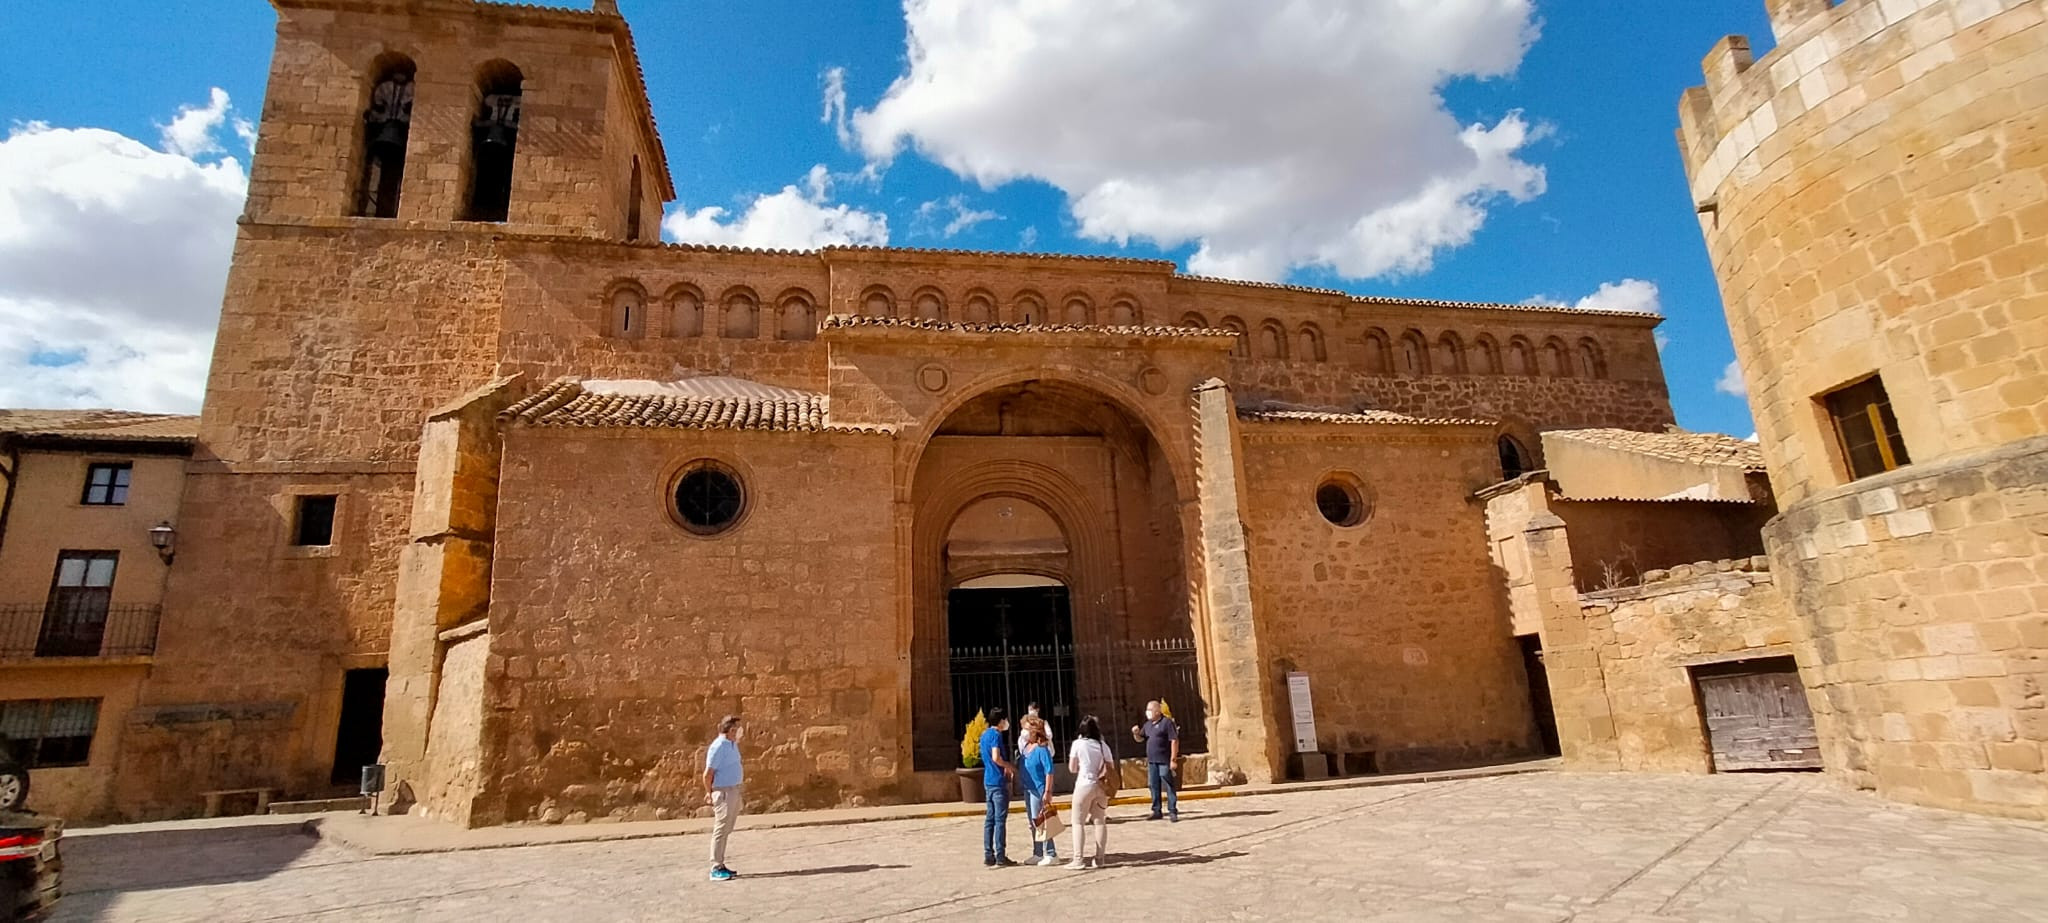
x: 1109, y: 777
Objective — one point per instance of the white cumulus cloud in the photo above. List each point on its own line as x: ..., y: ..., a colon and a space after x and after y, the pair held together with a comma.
x: 1271, y: 135
x: 1731, y: 381
x: 793, y: 219
x: 113, y: 259
x: 948, y: 216
x: 835, y: 105
x: 1634, y: 295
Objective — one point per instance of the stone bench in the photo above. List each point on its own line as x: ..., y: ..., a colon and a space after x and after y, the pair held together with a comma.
x: 213, y: 799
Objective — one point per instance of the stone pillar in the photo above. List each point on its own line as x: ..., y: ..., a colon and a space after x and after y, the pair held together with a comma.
x: 1571, y: 655
x: 444, y: 574
x: 1243, y: 733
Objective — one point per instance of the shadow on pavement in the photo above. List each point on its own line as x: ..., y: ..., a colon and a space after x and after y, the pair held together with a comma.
x: 100, y: 867
x: 1187, y: 816
x: 1162, y: 857
x: 826, y: 870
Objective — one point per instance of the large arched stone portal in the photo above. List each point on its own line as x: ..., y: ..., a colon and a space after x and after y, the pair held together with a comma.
x: 1049, y: 562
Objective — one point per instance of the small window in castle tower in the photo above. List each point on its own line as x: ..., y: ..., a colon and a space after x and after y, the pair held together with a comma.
x: 314, y: 523
x: 633, y: 192
x: 1866, y: 430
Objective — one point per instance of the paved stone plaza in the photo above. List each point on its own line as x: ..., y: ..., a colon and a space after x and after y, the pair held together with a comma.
x: 1546, y: 846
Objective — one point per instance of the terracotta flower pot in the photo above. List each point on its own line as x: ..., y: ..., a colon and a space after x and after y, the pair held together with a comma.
x: 971, y: 790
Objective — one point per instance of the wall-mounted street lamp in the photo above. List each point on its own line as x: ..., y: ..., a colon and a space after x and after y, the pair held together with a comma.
x: 162, y: 537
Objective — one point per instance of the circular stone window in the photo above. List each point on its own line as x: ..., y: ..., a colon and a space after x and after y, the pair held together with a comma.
x: 1342, y: 503
x: 708, y: 498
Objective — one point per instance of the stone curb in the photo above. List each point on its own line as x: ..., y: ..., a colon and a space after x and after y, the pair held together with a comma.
x: 598, y: 833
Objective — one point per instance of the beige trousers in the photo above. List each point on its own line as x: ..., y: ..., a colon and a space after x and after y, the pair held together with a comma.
x: 726, y: 807
x: 1091, y: 803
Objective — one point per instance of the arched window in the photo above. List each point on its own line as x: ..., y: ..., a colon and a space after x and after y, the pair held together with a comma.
x: 628, y: 312
x: 1557, y: 361
x: 1414, y: 353
x: 1191, y: 319
x: 1124, y: 314
x: 1312, y: 345
x: 929, y: 305
x: 1027, y: 309
x: 1379, y: 359
x: 1079, y: 312
x: 798, y: 323
x: 1485, y: 356
x: 1272, y: 340
x: 686, y: 312
x: 1514, y: 460
x: 493, y: 135
x: 1242, y: 348
x: 387, y: 124
x: 1450, y: 353
x: 633, y: 203
x: 1521, y: 358
x: 878, y: 302
x: 1591, y: 362
x: 980, y: 309
x: 742, y: 321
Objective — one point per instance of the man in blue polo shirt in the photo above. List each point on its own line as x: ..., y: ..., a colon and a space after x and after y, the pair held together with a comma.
x: 1162, y: 757
x: 722, y: 777
x: 996, y: 771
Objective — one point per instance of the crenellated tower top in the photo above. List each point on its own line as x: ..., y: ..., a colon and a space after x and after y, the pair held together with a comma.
x: 1825, y: 53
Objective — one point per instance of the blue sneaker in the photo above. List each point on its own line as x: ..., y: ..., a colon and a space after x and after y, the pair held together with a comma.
x: 723, y: 875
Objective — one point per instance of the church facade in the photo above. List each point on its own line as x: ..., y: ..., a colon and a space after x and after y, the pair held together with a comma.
x: 493, y: 487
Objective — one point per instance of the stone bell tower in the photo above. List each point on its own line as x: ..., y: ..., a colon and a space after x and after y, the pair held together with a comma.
x: 404, y: 145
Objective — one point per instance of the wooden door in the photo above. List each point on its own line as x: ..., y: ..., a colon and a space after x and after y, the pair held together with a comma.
x: 1757, y: 716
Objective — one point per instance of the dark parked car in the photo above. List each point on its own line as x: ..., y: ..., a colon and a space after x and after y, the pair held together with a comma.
x: 29, y: 864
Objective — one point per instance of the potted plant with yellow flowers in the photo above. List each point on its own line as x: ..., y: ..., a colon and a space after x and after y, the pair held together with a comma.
x: 969, y: 773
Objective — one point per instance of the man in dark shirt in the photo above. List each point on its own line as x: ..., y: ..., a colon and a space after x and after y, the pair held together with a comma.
x: 1162, y: 756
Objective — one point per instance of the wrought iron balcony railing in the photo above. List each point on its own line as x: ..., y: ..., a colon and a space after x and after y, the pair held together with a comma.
x: 32, y: 631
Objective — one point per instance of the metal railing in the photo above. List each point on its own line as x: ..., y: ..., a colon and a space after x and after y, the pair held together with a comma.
x: 35, y: 630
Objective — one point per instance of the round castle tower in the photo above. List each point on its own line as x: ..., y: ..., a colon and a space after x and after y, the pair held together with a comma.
x: 1874, y: 195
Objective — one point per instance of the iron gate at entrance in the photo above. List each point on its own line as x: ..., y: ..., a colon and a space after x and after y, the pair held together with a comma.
x: 1015, y: 646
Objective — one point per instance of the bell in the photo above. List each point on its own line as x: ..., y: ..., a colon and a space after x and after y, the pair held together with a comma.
x: 497, y: 134
x: 388, y: 133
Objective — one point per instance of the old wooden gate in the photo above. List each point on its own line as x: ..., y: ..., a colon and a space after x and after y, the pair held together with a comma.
x: 1757, y: 716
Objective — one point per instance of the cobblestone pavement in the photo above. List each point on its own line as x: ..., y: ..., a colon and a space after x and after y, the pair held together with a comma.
x: 1546, y: 846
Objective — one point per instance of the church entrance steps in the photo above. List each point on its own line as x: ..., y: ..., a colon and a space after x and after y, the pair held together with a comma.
x: 404, y: 835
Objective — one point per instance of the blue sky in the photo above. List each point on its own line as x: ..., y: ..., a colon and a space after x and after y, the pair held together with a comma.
x: 1593, y: 195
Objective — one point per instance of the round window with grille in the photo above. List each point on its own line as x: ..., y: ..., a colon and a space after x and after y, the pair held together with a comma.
x: 1342, y: 502
x: 708, y: 498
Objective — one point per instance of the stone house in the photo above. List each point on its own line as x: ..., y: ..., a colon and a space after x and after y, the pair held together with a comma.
x: 88, y: 519
x: 492, y: 482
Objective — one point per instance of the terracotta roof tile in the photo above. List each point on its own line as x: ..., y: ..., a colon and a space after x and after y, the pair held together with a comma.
x: 1163, y: 265
x: 851, y: 321
x: 100, y: 425
x: 1691, y: 448
x: 567, y: 402
x: 1353, y: 418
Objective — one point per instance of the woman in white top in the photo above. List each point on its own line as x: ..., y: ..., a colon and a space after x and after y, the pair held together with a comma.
x: 1090, y: 759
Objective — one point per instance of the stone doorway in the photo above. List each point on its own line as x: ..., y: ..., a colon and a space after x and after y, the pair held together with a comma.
x: 1540, y: 707
x: 1057, y: 485
x: 359, y: 737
